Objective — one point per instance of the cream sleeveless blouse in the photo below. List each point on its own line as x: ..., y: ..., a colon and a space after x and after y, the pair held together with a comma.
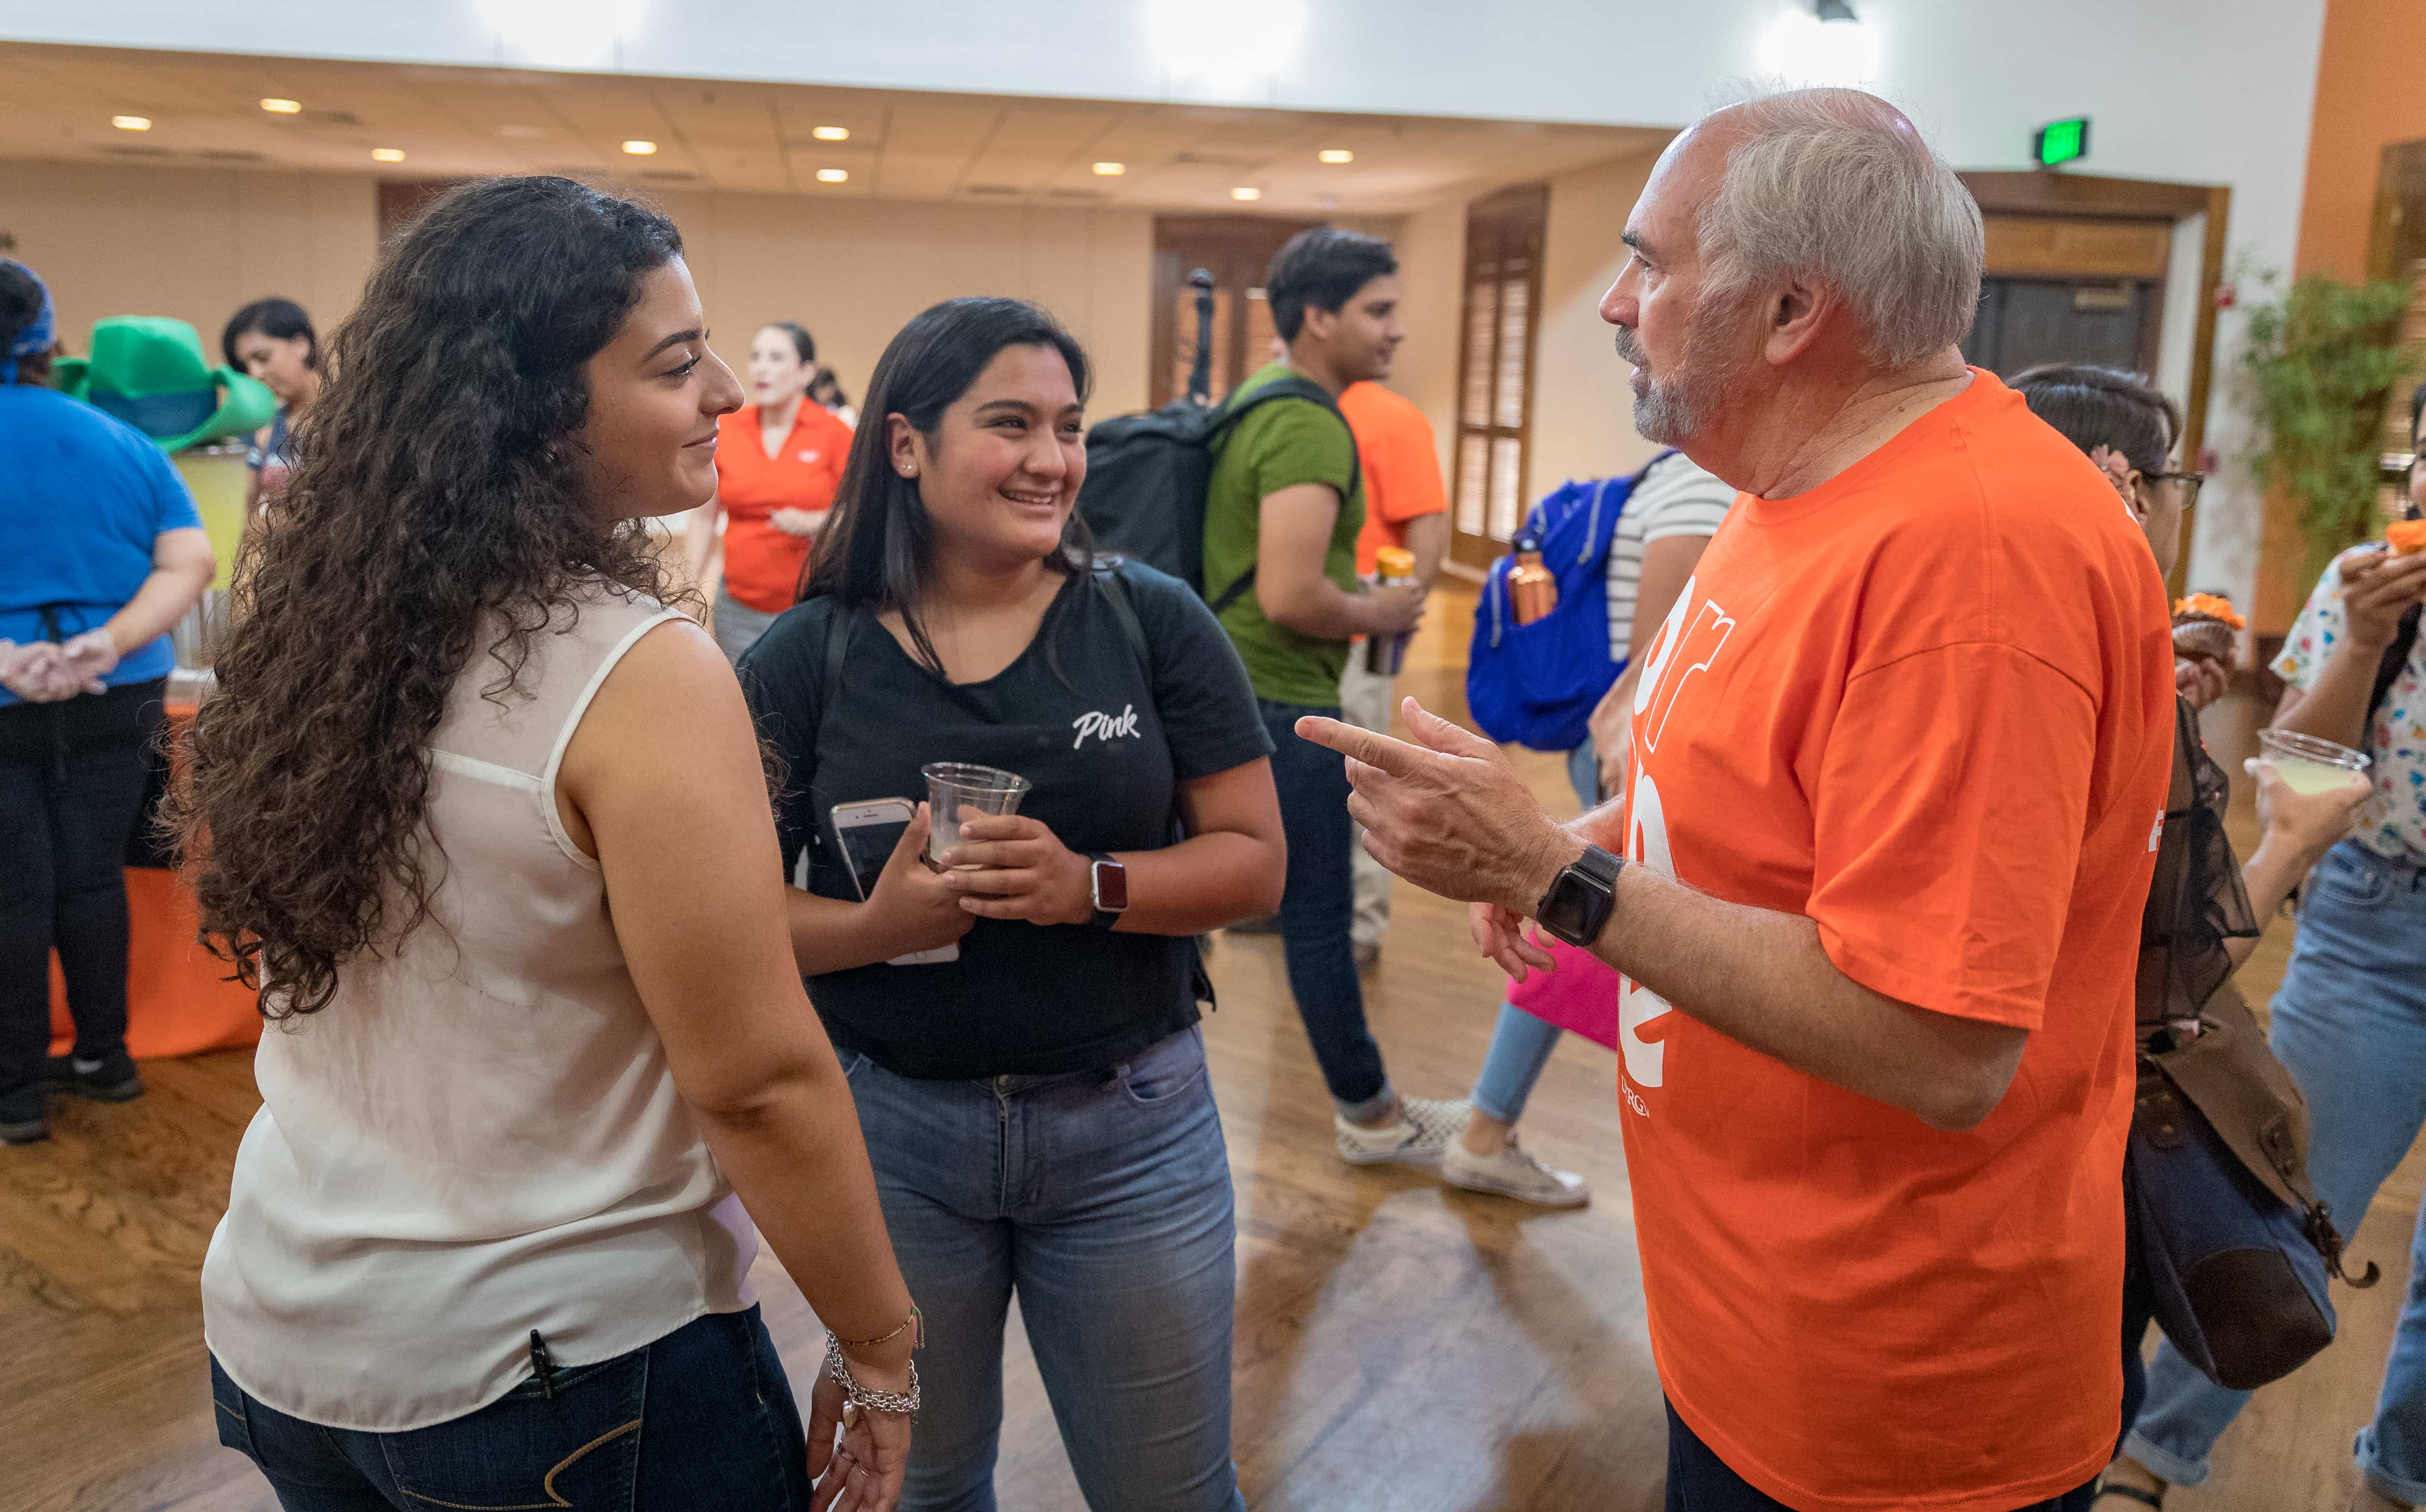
x: 480, y: 1136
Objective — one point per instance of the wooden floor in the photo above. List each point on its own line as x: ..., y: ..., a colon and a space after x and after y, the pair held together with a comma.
x: 1401, y: 1348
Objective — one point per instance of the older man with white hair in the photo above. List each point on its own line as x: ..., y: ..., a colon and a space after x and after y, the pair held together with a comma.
x: 1900, y: 759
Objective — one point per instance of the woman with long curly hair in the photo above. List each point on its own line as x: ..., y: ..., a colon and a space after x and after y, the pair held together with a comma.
x: 485, y: 822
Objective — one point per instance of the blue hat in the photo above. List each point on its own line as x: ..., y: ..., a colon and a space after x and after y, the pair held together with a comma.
x: 35, y: 339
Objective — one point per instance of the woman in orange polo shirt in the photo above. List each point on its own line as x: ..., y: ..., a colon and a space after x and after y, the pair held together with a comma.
x: 777, y: 464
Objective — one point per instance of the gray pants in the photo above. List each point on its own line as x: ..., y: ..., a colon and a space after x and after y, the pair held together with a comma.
x: 737, y: 626
x: 1366, y: 701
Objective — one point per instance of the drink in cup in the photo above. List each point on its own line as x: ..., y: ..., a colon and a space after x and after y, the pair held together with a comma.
x: 957, y: 792
x: 2309, y: 765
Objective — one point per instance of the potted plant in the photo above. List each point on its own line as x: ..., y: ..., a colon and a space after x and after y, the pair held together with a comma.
x: 2320, y: 360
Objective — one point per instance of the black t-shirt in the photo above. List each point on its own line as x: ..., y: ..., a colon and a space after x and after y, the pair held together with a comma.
x: 1022, y: 998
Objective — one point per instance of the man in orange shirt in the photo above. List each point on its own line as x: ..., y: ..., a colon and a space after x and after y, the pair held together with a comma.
x: 1900, y: 759
x: 1405, y: 506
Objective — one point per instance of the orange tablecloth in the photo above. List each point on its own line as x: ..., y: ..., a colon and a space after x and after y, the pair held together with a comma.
x: 176, y: 1003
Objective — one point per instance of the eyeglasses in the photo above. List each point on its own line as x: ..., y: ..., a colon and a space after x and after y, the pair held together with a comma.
x: 2190, y: 483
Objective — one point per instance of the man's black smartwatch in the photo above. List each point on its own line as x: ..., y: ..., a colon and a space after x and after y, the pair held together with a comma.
x: 1578, y: 905
x: 1108, y: 888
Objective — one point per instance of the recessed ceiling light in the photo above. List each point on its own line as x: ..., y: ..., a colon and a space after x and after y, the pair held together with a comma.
x: 131, y: 123
x: 834, y: 175
x: 831, y: 134
x: 1110, y: 171
x: 640, y: 149
x: 1336, y: 154
x: 282, y: 107
x: 387, y: 154
x: 1244, y: 192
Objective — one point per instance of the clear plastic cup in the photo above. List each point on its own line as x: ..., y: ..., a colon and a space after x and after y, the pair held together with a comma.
x: 957, y: 792
x: 2309, y: 765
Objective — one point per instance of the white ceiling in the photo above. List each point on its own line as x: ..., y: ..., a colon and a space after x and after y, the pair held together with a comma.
x: 756, y: 138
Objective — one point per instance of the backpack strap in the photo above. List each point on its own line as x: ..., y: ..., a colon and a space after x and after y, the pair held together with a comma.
x: 2387, y: 671
x: 837, y: 650
x: 1287, y: 386
x: 828, y: 690
x: 1600, y: 496
x: 1294, y: 386
x: 1116, y: 590
x: 1237, y: 588
x: 1106, y: 575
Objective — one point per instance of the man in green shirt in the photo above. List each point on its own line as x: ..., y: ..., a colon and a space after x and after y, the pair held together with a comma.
x: 1286, y: 505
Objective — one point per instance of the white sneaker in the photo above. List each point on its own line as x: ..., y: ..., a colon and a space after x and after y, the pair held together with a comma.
x: 1426, y: 1126
x: 1513, y: 1172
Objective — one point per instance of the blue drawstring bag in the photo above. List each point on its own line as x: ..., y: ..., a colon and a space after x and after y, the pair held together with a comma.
x: 1537, y: 684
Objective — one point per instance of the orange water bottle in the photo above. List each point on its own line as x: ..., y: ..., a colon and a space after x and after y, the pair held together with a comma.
x: 1385, y: 654
x: 1532, y: 589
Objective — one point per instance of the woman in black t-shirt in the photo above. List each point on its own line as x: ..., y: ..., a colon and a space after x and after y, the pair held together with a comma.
x: 1036, y: 1108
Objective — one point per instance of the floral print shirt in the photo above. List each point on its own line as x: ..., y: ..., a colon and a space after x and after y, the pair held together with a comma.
x: 2393, y: 824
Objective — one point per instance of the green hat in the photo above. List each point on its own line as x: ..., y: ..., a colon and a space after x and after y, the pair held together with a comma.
x: 149, y: 372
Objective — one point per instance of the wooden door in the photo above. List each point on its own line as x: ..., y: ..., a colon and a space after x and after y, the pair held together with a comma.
x: 1237, y: 250
x: 2025, y: 322
x: 1495, y: 407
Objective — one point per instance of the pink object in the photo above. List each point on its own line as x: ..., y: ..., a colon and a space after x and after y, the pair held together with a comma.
x: 1582, y: 995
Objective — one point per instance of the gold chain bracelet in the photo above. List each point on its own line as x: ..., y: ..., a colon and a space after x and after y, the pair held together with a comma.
x: 915, y: 1320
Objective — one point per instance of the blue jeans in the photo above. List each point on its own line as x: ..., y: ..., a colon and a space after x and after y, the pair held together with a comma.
x: 1583, y: 773
x: 1319, y: 910
x: 2351, y: 1025
x: 703, y: 1417
x: 1520, y: 1043
x: 1520, y: 1047
x: 1102, y: 1199
x: 737, y: 626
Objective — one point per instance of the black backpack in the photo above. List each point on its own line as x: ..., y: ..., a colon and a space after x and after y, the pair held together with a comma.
x: 1148, y: 474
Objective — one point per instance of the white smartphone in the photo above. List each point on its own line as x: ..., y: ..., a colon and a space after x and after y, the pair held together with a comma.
x: 867, y: 832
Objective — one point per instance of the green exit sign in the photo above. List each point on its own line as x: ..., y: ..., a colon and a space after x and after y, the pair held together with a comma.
x: 2060, y: 141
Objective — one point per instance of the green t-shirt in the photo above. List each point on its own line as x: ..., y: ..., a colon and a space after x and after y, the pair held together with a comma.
x: 1284, y: 443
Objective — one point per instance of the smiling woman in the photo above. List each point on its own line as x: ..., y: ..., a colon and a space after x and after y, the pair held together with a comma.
x: 955, y: 614
x: 547, y: 1057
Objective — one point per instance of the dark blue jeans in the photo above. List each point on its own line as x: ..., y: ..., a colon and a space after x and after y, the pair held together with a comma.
x: 1699, y: 1481
x: 702, y: 1418
x: 1319, y: 908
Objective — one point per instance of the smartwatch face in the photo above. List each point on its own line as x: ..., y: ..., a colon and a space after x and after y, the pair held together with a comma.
x: 1567, y: 912
x: 1111, y: 887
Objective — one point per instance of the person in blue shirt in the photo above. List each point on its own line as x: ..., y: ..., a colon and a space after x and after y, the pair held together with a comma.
x: 106, y: 551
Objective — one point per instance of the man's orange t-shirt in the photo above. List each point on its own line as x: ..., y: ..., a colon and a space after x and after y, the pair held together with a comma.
x: 762, y: 565
x: 1929, y: 704
x: 1401, y: 465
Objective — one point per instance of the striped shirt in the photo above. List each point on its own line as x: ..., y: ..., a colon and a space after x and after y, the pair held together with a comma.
x: 1674, y: 498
